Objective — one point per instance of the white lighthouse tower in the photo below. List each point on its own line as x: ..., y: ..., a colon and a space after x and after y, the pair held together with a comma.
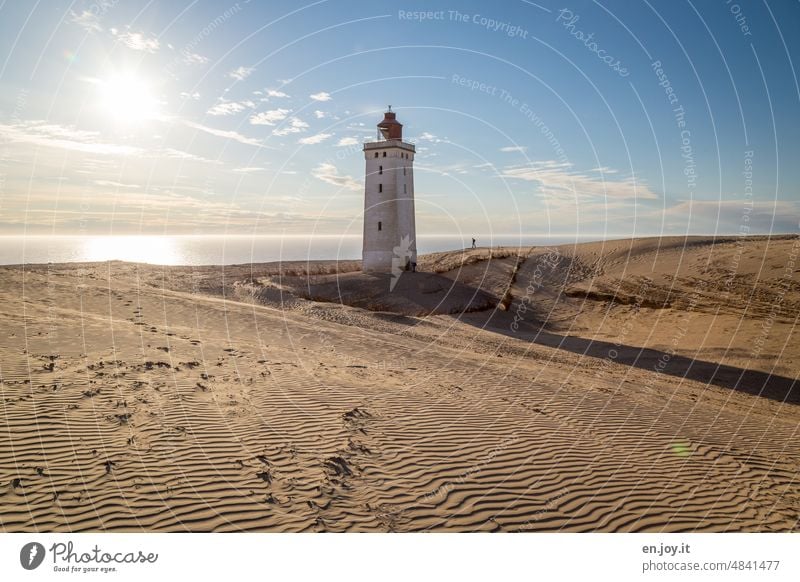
x: 389, y: 230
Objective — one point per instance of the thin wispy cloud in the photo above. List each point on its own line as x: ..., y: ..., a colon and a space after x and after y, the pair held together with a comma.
x: 226, y: 134
x: 87, y: 20
x: 767, y: 215
x: 241, y: 73
x: 319, y: 114
x: 40, y: 133
x: 347, y: 141
x: 277, y: 94
x: 513, y: 149
x: 321, y: 96
x: 329, y: 174
x: 558, y: 180
x: 137, y: 41
x: 194, y: 59
x: 314, y: 139
x: 113, y: 184
x: 50, y: 135
x: 176, y: 154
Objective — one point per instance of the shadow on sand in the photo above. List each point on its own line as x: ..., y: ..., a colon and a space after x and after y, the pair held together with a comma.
x: 405, y: 295
x: 753, y: 382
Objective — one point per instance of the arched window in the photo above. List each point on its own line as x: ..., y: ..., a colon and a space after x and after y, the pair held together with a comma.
x: 380, y: 225
x: 380, y: 169
x: 384, y: 154
x: 380, y: 187
x: 376, y: 154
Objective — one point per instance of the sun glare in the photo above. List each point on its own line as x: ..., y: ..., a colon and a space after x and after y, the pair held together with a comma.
x: 127, y: 98
x: 159, y: 250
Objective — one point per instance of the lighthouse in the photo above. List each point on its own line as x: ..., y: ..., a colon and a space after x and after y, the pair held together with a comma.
x: 390, y: 244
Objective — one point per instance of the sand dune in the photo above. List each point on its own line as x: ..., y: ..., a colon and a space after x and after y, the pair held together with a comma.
x: 640, y: 385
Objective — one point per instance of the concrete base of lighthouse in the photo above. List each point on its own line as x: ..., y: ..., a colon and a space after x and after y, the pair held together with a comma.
x: 377, y: 262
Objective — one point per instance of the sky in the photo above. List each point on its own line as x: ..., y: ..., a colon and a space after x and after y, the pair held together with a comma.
x: 607, y: 118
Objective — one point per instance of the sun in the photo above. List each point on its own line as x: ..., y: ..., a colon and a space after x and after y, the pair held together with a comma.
x: 127, y: 98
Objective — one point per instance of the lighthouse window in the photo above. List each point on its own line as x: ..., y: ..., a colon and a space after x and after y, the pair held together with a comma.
x: 404, y: 170
x: 404, y: 189
x: 380, y: 225
x: 384, y: 154
x: 376, y: 154
x: 380, y: 169
x: 380, y: 187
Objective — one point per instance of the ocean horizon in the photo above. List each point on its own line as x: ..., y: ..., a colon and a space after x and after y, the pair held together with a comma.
x: 195, y: 250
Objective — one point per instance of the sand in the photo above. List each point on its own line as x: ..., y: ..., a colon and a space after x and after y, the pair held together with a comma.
x: 644, y: 385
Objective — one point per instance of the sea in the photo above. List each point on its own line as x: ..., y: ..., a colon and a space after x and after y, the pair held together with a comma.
x: 231, y: 249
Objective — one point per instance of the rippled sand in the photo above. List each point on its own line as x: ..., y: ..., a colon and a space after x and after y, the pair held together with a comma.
x: 632, y: 386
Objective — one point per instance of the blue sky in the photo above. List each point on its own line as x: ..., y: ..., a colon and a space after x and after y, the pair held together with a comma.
x: 590, y: 118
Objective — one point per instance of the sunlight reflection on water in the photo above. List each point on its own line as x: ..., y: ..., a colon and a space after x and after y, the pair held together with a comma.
x: 161, y: 250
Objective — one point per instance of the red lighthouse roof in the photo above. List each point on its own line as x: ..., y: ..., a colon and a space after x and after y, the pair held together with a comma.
x: 390, y: 128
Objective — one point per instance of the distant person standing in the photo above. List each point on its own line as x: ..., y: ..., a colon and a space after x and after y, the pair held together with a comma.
x: 473, y: 242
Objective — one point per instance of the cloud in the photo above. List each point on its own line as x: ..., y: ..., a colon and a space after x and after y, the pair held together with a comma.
x: 194, y: 59
x: 510, y: 149
x: 241, y: 73
x: 224, y: 134
x: 248, y: 170
x: 319, y: 114
x: 427, y: 136
x: 87, y: 20
x: 176, y: 154
x: 275, y: 93
x: 314, y: 139
x: 321, y: 96
x: 269, y: 117
x: 112, y: 184
x: 137, y: 41
x: 347, y: 141
x: 194, y: 95
x: 295, y: 125
x: 230, y: 107
x: 41, y: 133
x: 329, y: 174
x: 736, y: 215
x: 557, y: 181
